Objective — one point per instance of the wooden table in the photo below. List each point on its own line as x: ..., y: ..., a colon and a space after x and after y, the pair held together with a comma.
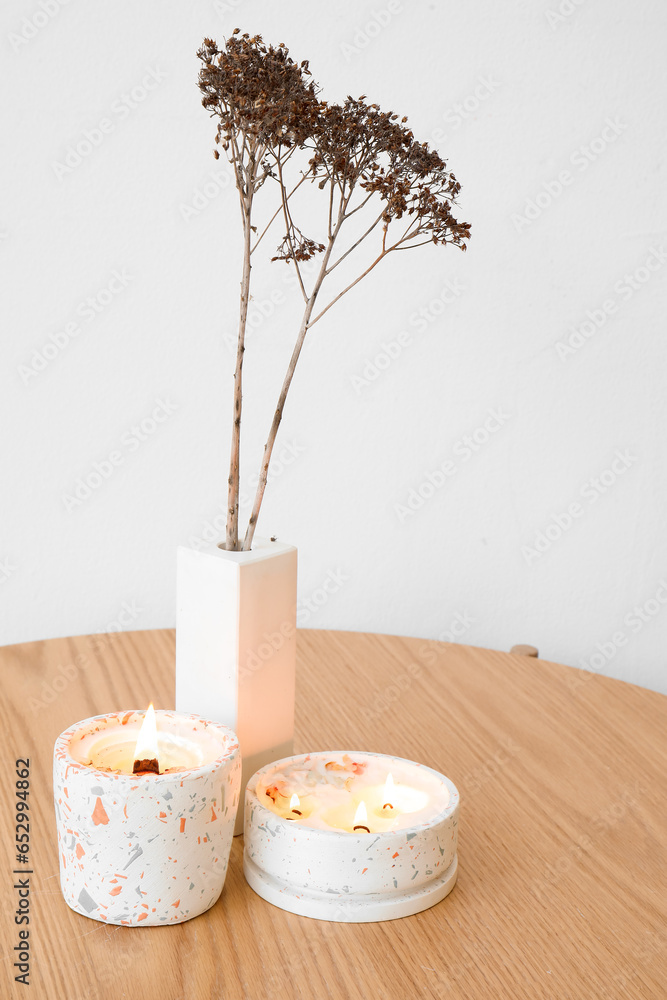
x: 562, y: 889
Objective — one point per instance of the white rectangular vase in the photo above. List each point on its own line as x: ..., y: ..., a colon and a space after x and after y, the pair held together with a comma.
x: 236, y: 645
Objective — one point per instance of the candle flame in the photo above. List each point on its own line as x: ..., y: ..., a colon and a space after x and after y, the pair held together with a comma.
x: 388, y: 794
x: 147, y: 745
x: 294, y: 802
x: 361, y: 815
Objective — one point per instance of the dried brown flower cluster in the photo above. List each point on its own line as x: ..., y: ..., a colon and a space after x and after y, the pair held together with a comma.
x: 268, y: 110
x: 257, y: 91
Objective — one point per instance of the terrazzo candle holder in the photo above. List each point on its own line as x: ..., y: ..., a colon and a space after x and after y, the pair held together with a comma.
x: 318, y: 860
x: 145, y: 849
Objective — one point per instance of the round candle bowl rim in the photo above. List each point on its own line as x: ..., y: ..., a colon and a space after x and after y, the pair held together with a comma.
x: 85, y: 727
x: 449, y: 809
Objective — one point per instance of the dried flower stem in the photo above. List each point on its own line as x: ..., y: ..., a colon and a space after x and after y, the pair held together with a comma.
x: 268, y: 110
x: 233, y: 483
x: 278, y: 414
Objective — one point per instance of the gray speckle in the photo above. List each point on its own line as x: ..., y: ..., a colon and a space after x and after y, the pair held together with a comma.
x: 97, y: 790
x: 87, y: 901
x: 372, y: 844
x: 409, y: 836
x: 136, y: 853
x: 167, y: 795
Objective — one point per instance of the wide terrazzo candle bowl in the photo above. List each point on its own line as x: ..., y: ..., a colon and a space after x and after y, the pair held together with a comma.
x: 353, y: 876
x: 149, y: 848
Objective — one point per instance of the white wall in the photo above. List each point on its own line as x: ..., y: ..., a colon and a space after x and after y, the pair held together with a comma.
x: 512, y: 94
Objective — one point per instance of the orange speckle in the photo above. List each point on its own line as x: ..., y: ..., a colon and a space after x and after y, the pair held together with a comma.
x: 162, y: 815
x: 79, y: 851
x: 114, y: 892
x: 177, y: 903
x: 213, y: 816
x: 145, y: 905
x: 126, y: 718
x: 66, y: 792
x: 182, y: 823
x: 364, y: 871
x: 99, y: 813
x: 112, y: 880
x: 142, y: 916
x: 125, y: 810
x: 395, y: 854
x: 63, y: 857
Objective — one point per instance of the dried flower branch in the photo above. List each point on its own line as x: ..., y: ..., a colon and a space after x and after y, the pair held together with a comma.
x: 268, y: 110
x: 263, y: 101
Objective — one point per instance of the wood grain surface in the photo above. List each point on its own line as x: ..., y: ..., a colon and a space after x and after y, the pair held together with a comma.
x: 562, y: 890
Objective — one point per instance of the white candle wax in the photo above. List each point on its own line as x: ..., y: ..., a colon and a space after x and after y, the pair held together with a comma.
x: 181, y: 746
x: 333, y: 787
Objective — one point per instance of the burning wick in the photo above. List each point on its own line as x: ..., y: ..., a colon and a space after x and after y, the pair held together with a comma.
x: 294, y: 804
x: 146, y: 753
x: 361, y: 818
x: 387, y: 795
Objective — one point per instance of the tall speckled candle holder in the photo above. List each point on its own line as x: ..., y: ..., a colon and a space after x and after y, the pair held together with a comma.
x: 350, y: 836
x: 145, y: 849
